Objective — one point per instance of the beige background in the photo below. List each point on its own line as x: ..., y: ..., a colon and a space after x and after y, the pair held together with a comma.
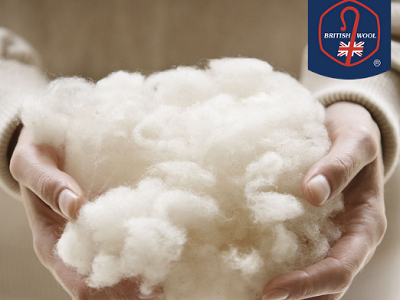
x: 95, y: 37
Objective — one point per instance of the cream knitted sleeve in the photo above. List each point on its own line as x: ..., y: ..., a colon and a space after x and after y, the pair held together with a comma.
x: 379, y: 94
x: 20, y: 75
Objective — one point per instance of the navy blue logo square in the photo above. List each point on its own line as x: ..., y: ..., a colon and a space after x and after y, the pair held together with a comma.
x: 349, y: 39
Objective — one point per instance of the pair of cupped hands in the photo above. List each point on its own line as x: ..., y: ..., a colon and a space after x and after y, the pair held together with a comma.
x: 353, y: 167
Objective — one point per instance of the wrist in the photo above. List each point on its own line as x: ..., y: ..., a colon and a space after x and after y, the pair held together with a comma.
x: 350, y: 117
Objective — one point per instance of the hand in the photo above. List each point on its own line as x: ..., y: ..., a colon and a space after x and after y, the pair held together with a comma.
x: 354, y: 167
x: 51, y: 197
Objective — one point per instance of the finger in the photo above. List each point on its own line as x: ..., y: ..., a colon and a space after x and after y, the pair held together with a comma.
x: 46, y: 226
x: 351, y: 150
x: 333, y: 275
x: 37, y: 168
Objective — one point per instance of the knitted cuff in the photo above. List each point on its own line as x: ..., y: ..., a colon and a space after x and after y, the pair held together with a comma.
x: 17, y: 80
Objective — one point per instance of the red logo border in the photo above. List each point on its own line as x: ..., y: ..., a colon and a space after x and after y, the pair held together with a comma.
x: 319, y: 32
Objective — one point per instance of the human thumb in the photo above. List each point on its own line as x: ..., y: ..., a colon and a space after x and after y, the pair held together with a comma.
x: 37, y: 168
x: 352, y: 149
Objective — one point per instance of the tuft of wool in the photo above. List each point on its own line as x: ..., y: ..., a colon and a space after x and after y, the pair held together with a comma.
x: 192, y: 177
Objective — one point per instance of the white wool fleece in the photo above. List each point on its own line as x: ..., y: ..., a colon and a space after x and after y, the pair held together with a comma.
x: 192, y: 177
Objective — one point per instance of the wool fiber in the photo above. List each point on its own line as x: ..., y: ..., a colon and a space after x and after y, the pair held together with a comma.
x: 192, y: 177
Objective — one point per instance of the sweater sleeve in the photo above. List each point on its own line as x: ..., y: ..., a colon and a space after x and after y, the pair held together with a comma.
x: 20, y: 75
x: 379, y: 94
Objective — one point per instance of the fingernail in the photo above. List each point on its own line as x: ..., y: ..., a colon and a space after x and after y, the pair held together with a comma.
x: 277, y: 294
x: 68, y: 202
x: 157, y: 292
x: 319, y: 189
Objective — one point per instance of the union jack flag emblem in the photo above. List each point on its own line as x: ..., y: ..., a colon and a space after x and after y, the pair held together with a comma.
x: 344, y: 49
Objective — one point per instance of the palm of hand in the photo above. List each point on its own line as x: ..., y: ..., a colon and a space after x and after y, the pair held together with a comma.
x: 39, y: 172
x: 354, y: 167
x: 46, y: 226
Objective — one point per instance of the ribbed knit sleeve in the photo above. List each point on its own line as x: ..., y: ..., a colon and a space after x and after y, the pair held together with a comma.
x: 379, y: 94
x: 20, y: 75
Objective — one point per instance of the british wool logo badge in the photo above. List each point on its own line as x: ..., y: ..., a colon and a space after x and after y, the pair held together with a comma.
x: 349, y: 39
